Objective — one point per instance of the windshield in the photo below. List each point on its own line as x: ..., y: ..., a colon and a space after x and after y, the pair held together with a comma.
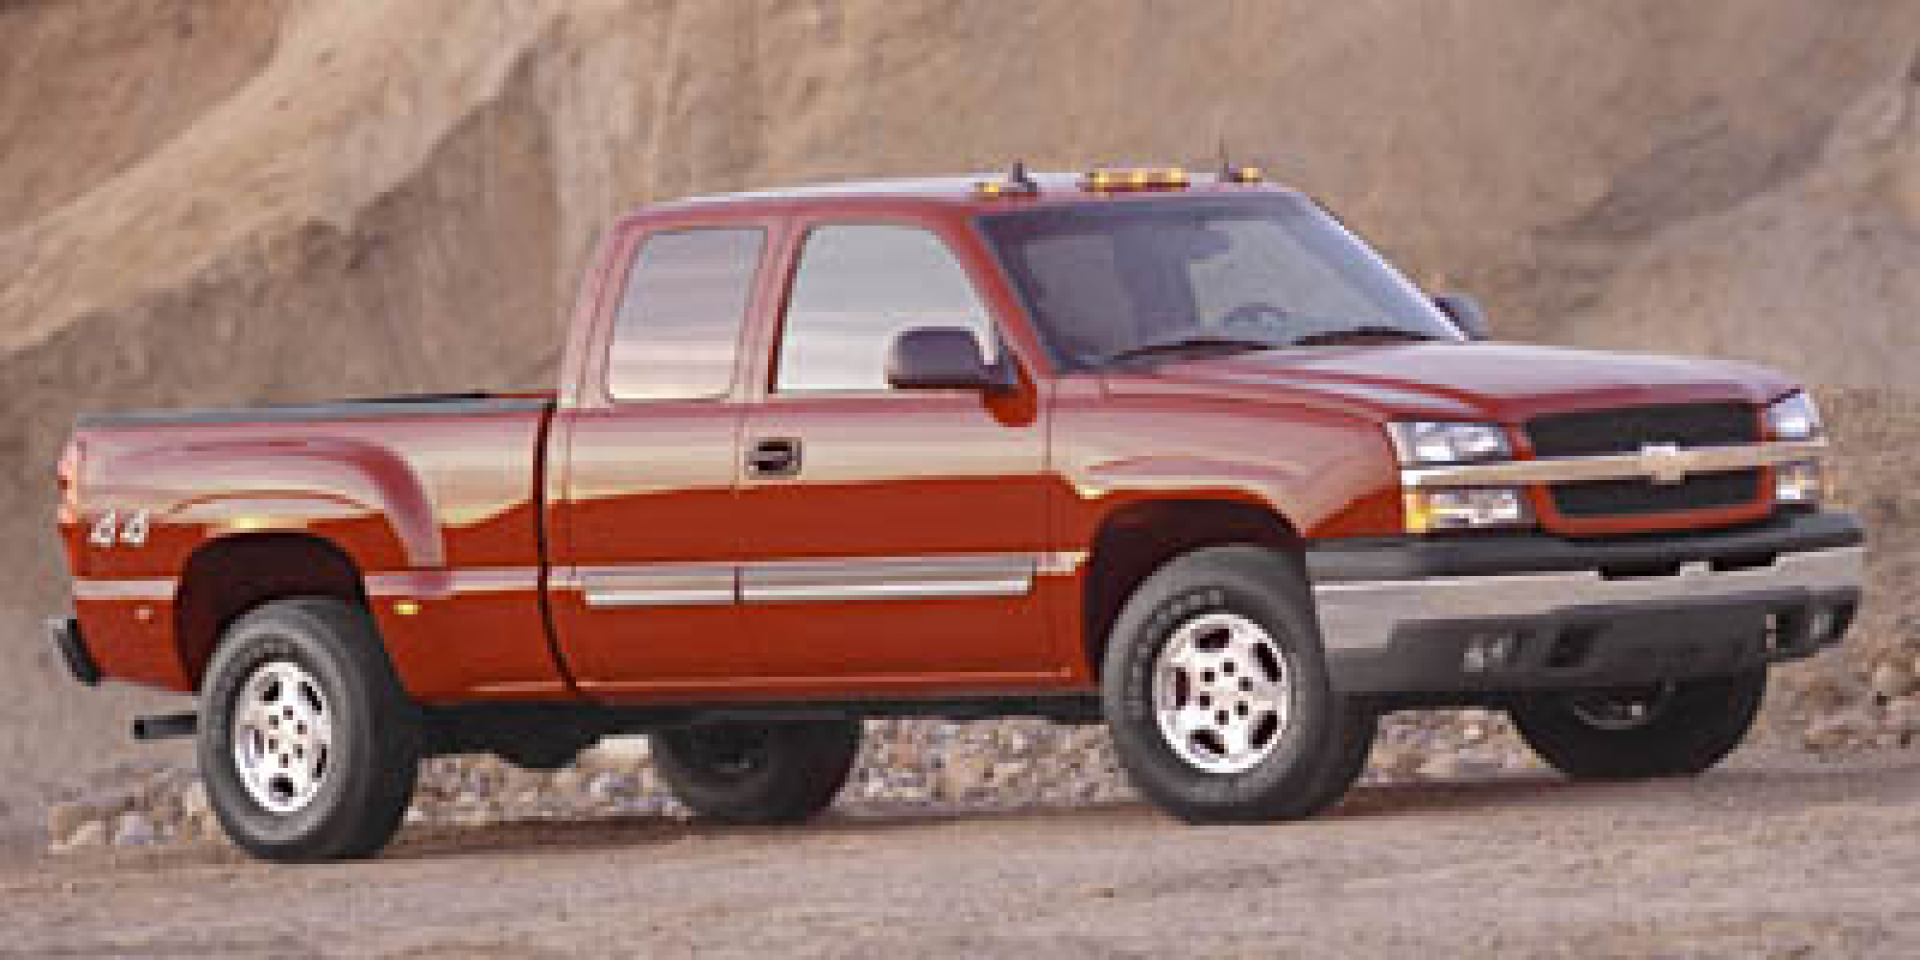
x: 1110, y: 281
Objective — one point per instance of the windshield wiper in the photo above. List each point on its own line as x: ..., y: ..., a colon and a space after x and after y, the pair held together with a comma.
x: 1192, y: 341
x: 1326, y: 337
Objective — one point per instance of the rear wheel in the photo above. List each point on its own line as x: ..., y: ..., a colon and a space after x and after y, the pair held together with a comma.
x: 759, y: 773
x: 308, y: 746
x: 1216, y: 691
x: 1667, y: 730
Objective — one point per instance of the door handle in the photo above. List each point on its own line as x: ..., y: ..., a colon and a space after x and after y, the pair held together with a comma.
x: 778, y: 457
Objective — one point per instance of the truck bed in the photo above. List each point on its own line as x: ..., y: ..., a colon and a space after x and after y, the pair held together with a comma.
x: 357, y: 408
x: 429, y: 496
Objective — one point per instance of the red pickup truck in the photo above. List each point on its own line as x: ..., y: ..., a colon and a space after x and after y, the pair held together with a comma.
x: 1175, y: 453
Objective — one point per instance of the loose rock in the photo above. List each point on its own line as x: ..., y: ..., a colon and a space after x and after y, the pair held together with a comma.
x: 92, y: 833
x: 64, y: 818
x: 1893, y: 678
x: 134, y: 829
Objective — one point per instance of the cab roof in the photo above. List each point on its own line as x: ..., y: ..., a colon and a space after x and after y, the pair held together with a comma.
x: 958, y: 190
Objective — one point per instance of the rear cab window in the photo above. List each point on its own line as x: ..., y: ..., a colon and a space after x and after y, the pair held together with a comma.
x: 677, y: 332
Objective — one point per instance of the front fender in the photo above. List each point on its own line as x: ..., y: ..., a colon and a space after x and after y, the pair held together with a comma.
x: 1325, y: 496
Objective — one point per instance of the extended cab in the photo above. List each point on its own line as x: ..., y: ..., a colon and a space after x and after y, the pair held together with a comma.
x: 1177, y: 454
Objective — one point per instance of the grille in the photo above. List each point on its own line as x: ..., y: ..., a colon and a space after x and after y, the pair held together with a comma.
x: 1637, y: 497
x: 1626, y: 430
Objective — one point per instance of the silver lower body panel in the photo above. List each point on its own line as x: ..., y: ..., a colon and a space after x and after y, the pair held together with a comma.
x: 1364, y: 615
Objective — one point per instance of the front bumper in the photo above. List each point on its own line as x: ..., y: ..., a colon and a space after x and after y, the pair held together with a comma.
x: 1536, y: 612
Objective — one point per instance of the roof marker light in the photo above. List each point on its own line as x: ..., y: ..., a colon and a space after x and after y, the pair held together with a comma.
x: 1142, y: 178
x: 1232, y: 174
x: 1017, y: 184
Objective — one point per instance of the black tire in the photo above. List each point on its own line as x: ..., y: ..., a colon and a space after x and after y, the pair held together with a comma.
x: 759, y: 773
x: 369, y: 767
x: 1687, y: 728
x: 1315, y: 756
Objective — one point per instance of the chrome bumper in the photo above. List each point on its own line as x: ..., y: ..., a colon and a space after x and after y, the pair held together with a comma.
x: 1366, y: 615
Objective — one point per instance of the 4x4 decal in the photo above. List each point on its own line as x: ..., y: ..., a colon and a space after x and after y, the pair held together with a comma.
x: 108, y: 531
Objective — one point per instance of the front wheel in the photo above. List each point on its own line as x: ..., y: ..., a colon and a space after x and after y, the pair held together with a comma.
x: 308, y: 746
x: 759, y: 773
x: 1667, y: 730
x: 1217, y: 694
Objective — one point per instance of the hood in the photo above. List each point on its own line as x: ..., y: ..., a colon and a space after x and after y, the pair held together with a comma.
x: 1500, y: 382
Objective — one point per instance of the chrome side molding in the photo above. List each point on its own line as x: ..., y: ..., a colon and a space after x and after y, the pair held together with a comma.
x: 809, y: 581
x: 660, y: 585
x: 804, y: 581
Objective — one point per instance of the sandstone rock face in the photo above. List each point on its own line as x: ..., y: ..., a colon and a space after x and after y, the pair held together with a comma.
x: 236, y: 201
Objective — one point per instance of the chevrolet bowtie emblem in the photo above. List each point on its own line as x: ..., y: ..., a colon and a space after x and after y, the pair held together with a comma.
x: 1666, y: 463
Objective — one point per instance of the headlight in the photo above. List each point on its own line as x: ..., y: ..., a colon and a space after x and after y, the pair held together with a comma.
x: 1794, y: 417
x: 1426, y: 444
x: 1466, y: 508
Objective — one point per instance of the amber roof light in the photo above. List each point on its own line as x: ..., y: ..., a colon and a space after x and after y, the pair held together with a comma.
x: 1141, y: 178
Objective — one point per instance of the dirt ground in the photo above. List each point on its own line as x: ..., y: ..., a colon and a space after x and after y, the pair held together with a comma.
x: 1776, y: 855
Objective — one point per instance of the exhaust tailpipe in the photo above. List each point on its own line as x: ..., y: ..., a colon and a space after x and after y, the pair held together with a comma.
x: 165, y: 726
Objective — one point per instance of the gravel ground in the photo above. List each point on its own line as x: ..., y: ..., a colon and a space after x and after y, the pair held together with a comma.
x: 1780, y: 853
x: 1021, y: 762
x: 1010, y: 762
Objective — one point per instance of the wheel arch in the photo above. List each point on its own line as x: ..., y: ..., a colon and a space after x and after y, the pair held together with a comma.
x: 229, y: 576
x: 1137, y: 538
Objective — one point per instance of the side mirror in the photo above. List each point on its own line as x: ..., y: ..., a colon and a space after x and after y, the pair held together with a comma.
x: 940, y: 358
x: 1466, y: 314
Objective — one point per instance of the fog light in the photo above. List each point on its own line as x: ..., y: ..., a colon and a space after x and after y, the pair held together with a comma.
x: 1802, y: 482
x: 1489, y: 651
x: 1466, y: 509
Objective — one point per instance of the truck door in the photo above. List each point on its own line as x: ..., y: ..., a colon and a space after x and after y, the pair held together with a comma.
x: 891, y: 534
x: 643, y: 468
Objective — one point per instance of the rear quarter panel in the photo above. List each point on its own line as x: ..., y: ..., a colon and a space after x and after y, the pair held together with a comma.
x: 438, y: 511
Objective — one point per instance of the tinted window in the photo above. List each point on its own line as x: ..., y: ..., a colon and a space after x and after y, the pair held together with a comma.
x: 856, y: 288
x: 1103, y: 280
x: 678, y: 329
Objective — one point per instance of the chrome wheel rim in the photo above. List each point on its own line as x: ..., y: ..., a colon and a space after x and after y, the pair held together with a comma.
x: 282, y: 734
x: 1222, y: 693
x: 1620, y: 711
